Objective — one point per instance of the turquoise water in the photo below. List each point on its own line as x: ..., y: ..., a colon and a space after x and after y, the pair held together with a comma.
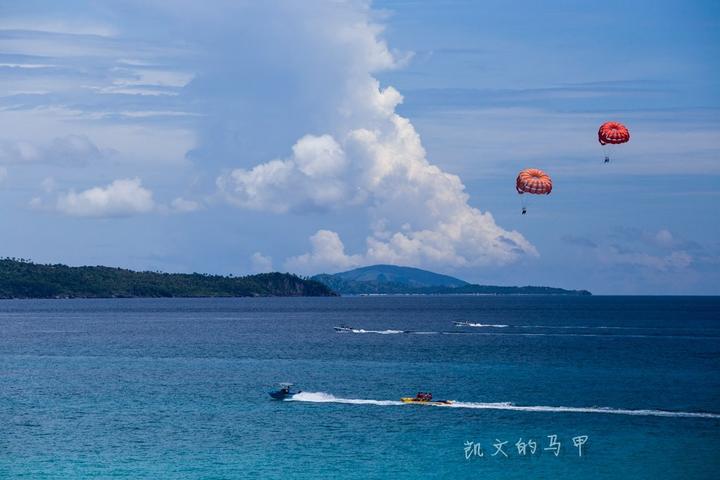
x: 177, y: 388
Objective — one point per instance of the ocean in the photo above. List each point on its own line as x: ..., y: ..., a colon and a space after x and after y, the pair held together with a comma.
x: 544, y: 387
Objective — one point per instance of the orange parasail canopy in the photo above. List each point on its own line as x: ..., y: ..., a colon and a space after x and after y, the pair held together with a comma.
x: 613, y: 132
x: 533, y: 180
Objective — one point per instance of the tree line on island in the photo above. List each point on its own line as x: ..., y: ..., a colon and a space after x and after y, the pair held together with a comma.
x: 24, y: 279
x: 20, y: 278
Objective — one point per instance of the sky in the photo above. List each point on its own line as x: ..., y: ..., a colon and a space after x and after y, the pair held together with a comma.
x: 318, y: 136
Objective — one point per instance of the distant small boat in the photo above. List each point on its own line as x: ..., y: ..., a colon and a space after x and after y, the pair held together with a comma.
x: 284, y: 392
x: 462, y: 324
x: 425, y: 398
x: 344, y: 329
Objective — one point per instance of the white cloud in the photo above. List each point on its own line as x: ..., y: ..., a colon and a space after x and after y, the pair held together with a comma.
x: 151, y: 113
x: 182, y: 205
x: 155, y: 145
x: 154, y: 77
x: 26, y: 65
x: 260, y: 263
x: 144, y: 82
x: 120, y: 198
x: 368, y: 155
x: 70, y: 150
x: 328, y: 253
x: 312, y: 179
x: 19, y: 152
x: 319, y: 156
x: 141, y: 91
x: 664, y: 238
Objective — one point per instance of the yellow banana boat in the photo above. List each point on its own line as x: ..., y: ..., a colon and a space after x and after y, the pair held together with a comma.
x: 425, y: 399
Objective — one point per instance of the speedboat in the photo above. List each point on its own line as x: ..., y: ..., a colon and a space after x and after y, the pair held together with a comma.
x: 285, y: 391
x: 425, y: 398
x: 343, y: 329
x: 462, y: 324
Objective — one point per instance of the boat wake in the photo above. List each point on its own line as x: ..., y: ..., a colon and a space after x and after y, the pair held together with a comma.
x: 388, y: 332
x: 525, y: 333
x: 482, y: 325
x: 322, y: 397
x: 562, y: 327
x: 591, y: 327
x: 379, y: 332
x: 603, y: 410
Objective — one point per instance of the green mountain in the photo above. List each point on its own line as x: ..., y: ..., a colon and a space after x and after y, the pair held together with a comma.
x: 408, y: 276
x: 391, y: 279
x: 24, y: 279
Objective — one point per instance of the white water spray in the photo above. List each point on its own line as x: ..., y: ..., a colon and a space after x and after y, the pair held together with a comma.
x: 322, y: 397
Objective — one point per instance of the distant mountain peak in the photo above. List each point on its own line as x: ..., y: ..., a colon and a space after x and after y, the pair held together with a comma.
x: 399, y: 275
x: 395, y: 279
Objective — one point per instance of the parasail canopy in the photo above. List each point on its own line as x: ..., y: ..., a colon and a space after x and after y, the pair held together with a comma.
x: 533, y: 180
x: 613, y: 132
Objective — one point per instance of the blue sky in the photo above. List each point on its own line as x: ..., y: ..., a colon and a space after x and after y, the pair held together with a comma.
x: 235, y: 137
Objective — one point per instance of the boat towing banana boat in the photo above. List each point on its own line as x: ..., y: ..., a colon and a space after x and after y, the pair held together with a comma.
x: 425, y: 398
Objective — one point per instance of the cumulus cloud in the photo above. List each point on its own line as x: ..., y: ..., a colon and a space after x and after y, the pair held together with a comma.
x: 69, y: 150
x: 118, y: 199
x: 313, y: 178
x: 260, y: 263
x: 328, y: 253
x: 367, y: 155
x: 121, y: 198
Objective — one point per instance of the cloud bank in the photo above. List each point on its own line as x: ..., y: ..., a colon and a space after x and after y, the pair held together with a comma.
x: 363, y: 153
x: 658, y: 251
x: 69, y: 150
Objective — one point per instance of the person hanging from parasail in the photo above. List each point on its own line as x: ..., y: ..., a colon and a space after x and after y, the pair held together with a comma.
x: 612, y: 133
x: 532, y: 181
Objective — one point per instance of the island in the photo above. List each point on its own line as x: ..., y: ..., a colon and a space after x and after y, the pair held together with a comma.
x: 21, y: 278
x: 398, y: 280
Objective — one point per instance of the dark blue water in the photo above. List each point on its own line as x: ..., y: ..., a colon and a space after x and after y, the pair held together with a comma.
x: 177, y: 388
